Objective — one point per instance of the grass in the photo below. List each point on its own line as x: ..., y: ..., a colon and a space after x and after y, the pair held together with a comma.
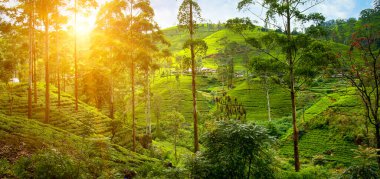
x: 63, y: 117
x: 23, y: 137
x: 328, y: 128
x: 321, y: 142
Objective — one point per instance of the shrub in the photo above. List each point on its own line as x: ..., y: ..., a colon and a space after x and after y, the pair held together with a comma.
x: 366, y: 166
x: 150, y: 170
x: 5, y: 168
x: 273, y: 130
x: 234, y: 150
x: 46, y: 164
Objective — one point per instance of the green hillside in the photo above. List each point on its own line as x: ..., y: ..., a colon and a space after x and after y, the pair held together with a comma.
x: 322, y: 103
x: 63, y: 117
x: 83, y: 137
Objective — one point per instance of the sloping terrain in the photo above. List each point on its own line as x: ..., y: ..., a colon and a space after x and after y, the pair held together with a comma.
x: 63, y: 117
x: 329, y: 113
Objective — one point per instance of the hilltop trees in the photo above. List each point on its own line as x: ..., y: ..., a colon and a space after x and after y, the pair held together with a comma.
x: 189, y: 12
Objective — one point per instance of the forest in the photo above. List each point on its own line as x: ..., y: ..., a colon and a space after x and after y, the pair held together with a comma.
x: 98, y: 89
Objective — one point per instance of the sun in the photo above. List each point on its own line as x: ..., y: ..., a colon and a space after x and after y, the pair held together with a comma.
x: 85, y: 23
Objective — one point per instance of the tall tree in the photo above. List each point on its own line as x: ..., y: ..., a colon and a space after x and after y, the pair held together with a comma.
x: 107, y: 37
x: 45, y: 6
x: 82, y: 4
x: 128, y: 27
x: 56, y: 21
x: 290, y: 11
x: 266, y: 69
x: 189, y: 12
x: 176, y: 120
x: 145, y: 34
x: 31, y: 44
x: 75, y: 57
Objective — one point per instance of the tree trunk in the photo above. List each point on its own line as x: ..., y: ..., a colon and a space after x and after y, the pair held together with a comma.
x: 64, y: 82
x: 30, y: 85
x: 158, y: 125
x: 175, y: 147
x: 47, y: 82
x: 10, y: 97
x: 75, y: 58
x: 292, y: 90
x: 295, y: 132
x: 268, y: 98
x: 58, y: 71
x: 133, y: 105
x: 111, y: 99
x: 268, y: 104
x: 147, y: 108
x: 133, y: 85
x: 34, y: 71
x: 193, y: 73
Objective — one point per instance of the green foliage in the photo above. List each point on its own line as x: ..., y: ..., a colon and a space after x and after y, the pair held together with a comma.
x: 238, y: 25
x: 148, y: 170
x: 96, y: 94
x: 366, y: 167
x: 234, y: 150
x: 47, y: 164
x: 5, y: 168
x: 312, y: 172
x: 200, y: 46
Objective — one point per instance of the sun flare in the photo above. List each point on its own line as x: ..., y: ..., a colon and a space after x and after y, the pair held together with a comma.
x: 85, y: 23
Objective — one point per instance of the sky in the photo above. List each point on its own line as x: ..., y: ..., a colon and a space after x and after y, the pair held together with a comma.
x: 222, y: 10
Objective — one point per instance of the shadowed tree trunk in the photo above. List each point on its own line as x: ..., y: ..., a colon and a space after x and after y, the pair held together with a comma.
x: 47, y: 82
x: 75, y: 57
x: 193, y: 75
x: 292, y: 90
x: 30, y: 80
x: 132, y: 82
